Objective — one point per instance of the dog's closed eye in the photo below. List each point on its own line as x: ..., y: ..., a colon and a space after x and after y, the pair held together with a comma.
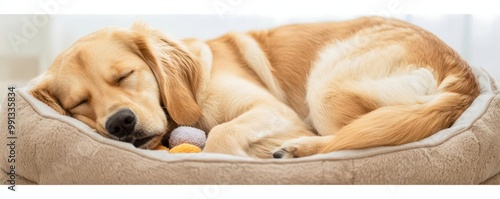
x: 124, y: 76
x: 80, y: 103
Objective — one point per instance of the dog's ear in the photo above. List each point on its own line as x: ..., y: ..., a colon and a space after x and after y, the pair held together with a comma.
x: 176, y: 70
x: 41, y: 92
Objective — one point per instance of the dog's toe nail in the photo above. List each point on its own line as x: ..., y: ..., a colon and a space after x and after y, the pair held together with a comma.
x: 278, y: 154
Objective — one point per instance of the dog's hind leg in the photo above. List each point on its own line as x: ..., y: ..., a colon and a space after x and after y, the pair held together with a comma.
x: 354, y: 115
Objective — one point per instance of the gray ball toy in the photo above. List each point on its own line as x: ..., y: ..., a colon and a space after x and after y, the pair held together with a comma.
x: 189, y: 135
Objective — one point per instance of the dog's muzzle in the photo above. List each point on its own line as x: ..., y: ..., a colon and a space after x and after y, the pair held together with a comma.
x: 122, y: 125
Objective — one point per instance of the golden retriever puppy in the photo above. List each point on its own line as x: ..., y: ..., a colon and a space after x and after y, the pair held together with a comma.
x: 291, y: 91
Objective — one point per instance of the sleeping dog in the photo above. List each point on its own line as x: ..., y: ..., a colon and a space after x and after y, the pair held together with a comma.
x: 290, y: 91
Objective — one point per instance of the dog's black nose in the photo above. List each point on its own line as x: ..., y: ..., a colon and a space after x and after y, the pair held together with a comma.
x: 122, y: 123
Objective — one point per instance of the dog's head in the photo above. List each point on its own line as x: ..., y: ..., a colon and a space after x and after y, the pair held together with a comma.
x: 119, y: 82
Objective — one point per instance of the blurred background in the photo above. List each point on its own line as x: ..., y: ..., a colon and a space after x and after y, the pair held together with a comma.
x: 29, y: 43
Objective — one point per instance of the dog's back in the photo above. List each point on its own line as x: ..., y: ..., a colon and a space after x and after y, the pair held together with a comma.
x: 366, y: 82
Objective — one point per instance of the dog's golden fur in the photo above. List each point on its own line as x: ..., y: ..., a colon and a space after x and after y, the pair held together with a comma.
x: 291, y: 91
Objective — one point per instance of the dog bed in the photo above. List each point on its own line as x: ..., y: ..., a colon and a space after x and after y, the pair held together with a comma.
x: 55, y: 149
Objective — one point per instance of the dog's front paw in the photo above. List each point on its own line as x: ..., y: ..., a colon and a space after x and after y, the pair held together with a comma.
x: 300, y: 147
x: 285, y: 152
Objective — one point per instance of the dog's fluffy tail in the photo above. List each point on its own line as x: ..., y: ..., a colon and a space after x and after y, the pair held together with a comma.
x: 400, y: 124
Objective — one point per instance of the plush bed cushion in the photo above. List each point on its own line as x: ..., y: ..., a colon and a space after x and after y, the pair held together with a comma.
x: 55, y: 149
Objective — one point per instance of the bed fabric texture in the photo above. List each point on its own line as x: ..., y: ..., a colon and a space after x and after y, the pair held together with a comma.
x: 55, y: 149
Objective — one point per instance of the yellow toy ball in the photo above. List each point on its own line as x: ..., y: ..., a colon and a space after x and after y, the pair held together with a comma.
x: 185, y: 148
x: 161, y: 147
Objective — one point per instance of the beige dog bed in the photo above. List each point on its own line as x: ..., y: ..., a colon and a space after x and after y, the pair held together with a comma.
x: 55, y: 149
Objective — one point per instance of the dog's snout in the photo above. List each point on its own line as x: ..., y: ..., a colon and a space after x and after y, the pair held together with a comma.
x: 122, y: 123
